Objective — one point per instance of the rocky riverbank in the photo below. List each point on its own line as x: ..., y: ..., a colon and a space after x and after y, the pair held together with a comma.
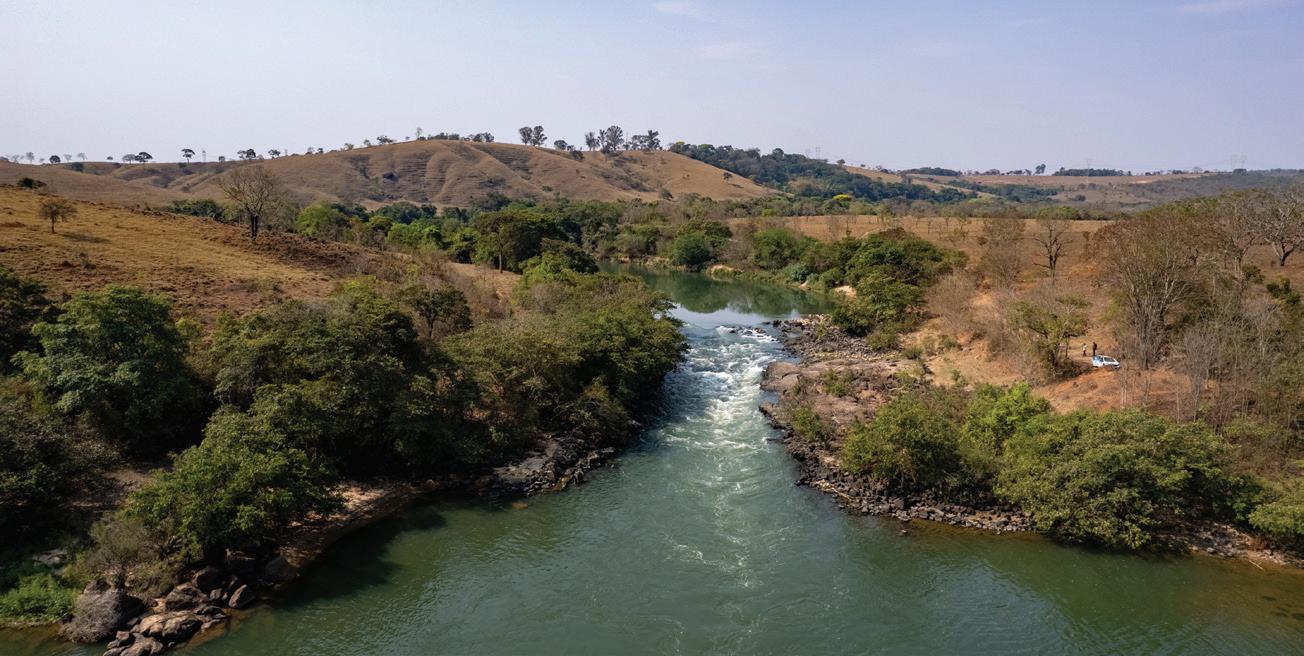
x: 211, y: 595
x: 841, y: 380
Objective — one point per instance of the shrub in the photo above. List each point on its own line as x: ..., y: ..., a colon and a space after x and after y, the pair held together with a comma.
x: 881, y: 305
x: 691, y: 250
x: 35, y: 599
x: 811, y: 427
x: 242, y: 483
x: 116, y: 359
x: 206, y: 207
x: 42, y: 466
x: 127, y: 554
x: 1283, y: 518
x: 1111, y: 478
x: 912, y: 442
x: 22, y: 303
x: 775, y: 248
x: 994, y: 416
x: 836, y: 383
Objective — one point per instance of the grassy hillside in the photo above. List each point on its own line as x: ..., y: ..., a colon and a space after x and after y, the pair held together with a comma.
x: 206, y: 268
x: 433, y: 171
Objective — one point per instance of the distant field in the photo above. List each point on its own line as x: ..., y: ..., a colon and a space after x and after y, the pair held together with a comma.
x: 432, y: 171
x: 888, y: 176
x: 207, y: 268
x: 1132, y: 192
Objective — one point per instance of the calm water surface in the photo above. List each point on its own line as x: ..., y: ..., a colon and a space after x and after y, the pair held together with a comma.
x: 699, y: 543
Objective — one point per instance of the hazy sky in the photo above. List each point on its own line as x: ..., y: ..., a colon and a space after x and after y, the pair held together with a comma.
x: 1136, y: 85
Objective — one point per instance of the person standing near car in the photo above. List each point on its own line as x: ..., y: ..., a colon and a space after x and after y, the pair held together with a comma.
x: 1093, y: 349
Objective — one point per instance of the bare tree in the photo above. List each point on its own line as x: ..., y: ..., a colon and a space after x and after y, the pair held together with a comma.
x: 1281, y: 222
x: 255, y: 193
x: 1002, y: 257
x: 55, y: 209
x: 1152, y: 273
x: 1051, y: 235
x: 1232, y: 218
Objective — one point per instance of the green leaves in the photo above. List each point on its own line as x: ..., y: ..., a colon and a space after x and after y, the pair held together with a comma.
x: 116, y: 359
x: 1111, y: 478
x: 242, y: 483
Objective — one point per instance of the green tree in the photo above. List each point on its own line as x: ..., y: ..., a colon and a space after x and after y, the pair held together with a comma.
x: 22, y: 303
x: 116, y: 359
x: 913, y: 442
x: 55, y: 209
x: 1112, y: 478
x: 42, y: 466
x: 775, y: 248
x: 244, y: 482
x: 442, y: 312
x: 322, y: 219
x: 691, y: 249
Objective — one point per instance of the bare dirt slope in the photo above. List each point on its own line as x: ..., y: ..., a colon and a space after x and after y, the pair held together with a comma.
x: 205, y: 267
x: 432, y: 171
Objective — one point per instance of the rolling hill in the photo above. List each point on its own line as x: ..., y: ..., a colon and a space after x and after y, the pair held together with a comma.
x: 431, y: 171
x: 205, y: 267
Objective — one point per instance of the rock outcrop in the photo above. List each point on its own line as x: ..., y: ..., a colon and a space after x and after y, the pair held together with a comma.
x: 100, y: 611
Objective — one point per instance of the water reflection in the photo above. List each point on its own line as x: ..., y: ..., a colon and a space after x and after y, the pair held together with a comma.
x: 702, y: 294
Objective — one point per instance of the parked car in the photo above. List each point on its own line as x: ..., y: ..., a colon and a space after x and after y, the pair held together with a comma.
x: 1104, y: 362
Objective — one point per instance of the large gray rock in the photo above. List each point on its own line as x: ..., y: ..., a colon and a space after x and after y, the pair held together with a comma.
x: 208, y: 579
x: 141, y: 646
x: 97, y: 614
x: 170, y: 627
x: 184, y: 597
x: 242, y: 597
x: 279, y: 570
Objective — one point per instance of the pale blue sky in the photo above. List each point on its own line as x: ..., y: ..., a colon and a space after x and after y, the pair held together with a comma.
x: 1137, y: 85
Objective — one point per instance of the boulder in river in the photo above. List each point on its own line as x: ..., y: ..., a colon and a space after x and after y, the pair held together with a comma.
x: 279, y: 570
x: 170, y: 628
x: 241, y: 598
x: 183, y: 597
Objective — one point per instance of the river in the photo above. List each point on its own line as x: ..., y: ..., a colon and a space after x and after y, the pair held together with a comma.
x: 699, y: 543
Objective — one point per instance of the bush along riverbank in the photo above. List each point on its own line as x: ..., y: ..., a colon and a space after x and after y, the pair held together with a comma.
x: 866, y: 428
x: 288, y: 427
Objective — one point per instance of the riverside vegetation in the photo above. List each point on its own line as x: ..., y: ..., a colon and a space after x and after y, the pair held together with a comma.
x: 266, y: 414
x: 1176, y: 275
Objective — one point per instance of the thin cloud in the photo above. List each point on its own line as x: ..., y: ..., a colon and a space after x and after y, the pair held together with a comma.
x: 1219, y: 7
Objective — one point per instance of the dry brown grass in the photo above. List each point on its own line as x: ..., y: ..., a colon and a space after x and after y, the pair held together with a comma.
x: 989, y: 353
x: 206, y: 268
x: 432, y: 171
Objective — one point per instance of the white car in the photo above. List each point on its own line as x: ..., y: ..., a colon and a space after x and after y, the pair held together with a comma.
x: 1104, y: 362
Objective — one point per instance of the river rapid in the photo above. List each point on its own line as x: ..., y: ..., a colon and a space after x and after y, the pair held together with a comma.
x: 699, y: 543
